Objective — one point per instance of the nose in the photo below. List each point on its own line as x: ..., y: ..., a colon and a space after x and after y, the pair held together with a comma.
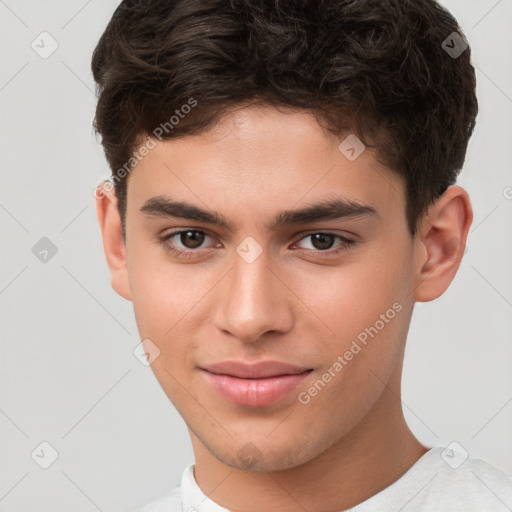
x: 252, y: 301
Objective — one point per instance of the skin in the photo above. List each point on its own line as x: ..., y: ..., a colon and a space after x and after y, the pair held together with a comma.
x: 290, y: 304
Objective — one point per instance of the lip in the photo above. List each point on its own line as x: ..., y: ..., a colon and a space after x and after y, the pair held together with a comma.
x: 255, y: 385
x: 258, y: 370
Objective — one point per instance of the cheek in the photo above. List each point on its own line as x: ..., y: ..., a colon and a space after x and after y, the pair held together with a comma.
x: 346, y: 300
x: 158, y: 291
x: 362, y: 354
x: 166, y: 296
x: 363, y: 310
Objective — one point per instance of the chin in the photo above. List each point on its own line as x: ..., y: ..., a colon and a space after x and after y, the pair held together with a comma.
x: 251, y: 456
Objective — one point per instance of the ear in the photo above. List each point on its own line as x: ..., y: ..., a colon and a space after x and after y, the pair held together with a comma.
x: 440, y: 243
x: 113, y: 243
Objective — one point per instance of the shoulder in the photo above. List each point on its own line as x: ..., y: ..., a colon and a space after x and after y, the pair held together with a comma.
x: 458, y: 480
x: 445, y: 478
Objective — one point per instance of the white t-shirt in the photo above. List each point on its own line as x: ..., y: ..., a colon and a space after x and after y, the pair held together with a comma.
x: 442, y: 480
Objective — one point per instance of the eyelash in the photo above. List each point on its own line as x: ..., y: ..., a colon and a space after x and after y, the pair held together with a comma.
x: 190, y: 253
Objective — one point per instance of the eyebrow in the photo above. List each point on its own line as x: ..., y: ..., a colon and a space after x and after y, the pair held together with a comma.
x: 337, y: 208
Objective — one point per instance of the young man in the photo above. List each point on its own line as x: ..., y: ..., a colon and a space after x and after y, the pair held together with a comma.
x: 282, y: 194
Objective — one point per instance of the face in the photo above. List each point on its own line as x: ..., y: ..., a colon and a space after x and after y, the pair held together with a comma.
x: 274, y: 275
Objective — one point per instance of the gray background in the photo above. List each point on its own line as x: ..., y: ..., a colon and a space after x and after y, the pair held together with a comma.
x: 68, y: 374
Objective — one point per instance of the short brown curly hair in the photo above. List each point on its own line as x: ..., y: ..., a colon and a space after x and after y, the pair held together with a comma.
x: 376, y: 68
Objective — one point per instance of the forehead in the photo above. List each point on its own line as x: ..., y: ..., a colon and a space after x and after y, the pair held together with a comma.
x: 259, y: 159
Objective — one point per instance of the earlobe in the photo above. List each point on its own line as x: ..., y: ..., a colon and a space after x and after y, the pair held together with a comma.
x: 113, y: 243
x: 440, y: 243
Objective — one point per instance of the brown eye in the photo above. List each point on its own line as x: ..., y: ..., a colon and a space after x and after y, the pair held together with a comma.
x: 322, y: 241
x: 187, y: 243
x: 192, y: 239
x: 325, y: 244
